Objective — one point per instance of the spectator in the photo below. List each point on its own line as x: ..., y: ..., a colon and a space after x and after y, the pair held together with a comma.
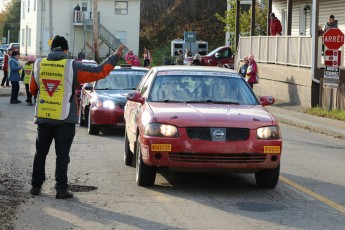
x: 244, y: 67
x: 252, y: 72
x: 136, y: 61
x: 147, y: 57
x: 77, y: 13
x: 188, y: 53
x: 275, y: 25
x: 5, y: 68
x: 179, y: 59
x: 331, y: 23
x: 81, y: 54
x: 77, y: 8
x: 196, y: 60
x: 26, y: 76
x: 14, y: 76
x: 129, y: 55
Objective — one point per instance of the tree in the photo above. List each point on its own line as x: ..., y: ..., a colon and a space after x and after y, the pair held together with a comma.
x: 245, y: 18
x: 10, y: 20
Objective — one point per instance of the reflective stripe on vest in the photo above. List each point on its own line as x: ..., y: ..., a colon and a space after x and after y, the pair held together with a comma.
x: 27, y: 73
x: 55, y: 81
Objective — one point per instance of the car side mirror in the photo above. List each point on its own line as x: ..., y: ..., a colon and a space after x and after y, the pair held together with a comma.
x: 136, y: 97
x: 88, y: 87
x: 267, y: 100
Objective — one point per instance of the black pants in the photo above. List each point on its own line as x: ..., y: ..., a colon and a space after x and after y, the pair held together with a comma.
x: 15, y: 90
x: 28, y: 94
x: 63, y: 135
x: 5, y: 79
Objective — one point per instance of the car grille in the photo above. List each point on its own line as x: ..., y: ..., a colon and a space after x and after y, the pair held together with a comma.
x: 204, y: 134
x: 217, y: 158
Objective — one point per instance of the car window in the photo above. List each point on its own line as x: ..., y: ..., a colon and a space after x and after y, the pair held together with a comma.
x: 120, y: 80
x: 201, y: 87
x: 1, y: 54
x: 142, y: 82
x: 146, y: 84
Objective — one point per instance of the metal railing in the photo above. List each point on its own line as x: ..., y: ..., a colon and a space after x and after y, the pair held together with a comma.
x: 282, y: 50
x: 109, y: 39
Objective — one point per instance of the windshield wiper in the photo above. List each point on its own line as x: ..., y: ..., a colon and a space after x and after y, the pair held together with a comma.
x: 222, y: 102
x: 103, y: 89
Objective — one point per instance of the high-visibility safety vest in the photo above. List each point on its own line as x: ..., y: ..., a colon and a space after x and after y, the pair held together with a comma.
x: 55, y: 81
x: 27, y: 73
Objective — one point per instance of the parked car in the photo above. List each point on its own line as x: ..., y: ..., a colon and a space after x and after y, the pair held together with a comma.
x: 222, y: 54
x: 14, y: 47
x: 4, y: 47
x: 102, y: 103
x: 79, y: 87
x: 196, y: 117
x: 1, y: 60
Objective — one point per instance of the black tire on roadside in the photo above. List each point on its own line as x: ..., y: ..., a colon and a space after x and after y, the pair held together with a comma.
x: 267, y: 178
x: 145, y: 175
x: 92, y: 129
x: 128, y: 154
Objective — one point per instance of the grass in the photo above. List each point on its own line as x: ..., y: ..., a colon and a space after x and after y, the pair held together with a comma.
x: 333, y: 114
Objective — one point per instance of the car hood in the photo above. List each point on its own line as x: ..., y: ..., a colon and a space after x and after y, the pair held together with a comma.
x: 212, y: 115
x: 113, y: 94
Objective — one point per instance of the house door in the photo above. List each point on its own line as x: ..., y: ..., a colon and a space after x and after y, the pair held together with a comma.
x: 86, y: 8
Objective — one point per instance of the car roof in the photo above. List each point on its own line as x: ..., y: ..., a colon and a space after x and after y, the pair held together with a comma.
x: 193, y: 68
x: 126, y: 67
x: 86, y: 61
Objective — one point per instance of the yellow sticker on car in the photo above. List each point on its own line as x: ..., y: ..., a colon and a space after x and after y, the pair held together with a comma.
x: 161, y: 147
x: 271, y: 149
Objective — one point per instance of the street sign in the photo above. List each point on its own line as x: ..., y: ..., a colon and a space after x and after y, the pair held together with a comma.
x: 331, y: 77
x: 333, y: 58
x: 333, y: 38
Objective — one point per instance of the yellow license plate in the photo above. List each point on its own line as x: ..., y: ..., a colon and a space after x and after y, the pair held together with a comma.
x: 271, y: 149
x: 161, y: 147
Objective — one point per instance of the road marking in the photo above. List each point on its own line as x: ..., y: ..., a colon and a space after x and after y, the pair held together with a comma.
x: 315, y: 195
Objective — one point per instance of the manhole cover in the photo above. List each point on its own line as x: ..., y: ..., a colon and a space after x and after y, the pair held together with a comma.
x: 81, y: 188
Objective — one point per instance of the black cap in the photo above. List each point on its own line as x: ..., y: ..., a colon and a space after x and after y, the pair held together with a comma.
x: 59, y: 43
x: 273, y: 15
x: 15, y: 53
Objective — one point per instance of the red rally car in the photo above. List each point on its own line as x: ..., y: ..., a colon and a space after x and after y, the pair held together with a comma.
x: 200, y: 117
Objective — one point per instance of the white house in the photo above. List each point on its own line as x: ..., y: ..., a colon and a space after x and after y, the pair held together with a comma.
x: 41, y: 20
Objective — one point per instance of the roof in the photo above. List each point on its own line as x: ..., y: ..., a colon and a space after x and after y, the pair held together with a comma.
x: 193, y: 68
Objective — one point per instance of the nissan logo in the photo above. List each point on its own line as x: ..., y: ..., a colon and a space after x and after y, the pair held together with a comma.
x: 218, y: 134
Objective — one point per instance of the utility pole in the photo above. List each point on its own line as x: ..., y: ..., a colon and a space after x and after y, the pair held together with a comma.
x: 95, y: 31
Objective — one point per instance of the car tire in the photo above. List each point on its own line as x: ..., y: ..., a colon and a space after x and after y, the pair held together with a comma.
x: 145, y: 174
x: 81, y: 117
x: 267, y: 178
x: 128, y: 154
x: 92, y: 129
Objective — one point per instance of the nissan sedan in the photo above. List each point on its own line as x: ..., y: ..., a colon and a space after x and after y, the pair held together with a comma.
x: 102, y: 102
x: 191, y: 117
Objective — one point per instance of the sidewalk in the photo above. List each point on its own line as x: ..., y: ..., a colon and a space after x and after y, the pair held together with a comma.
x: 284, y: 112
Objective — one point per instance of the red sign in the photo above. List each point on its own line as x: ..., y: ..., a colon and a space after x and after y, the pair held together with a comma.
x: 332, y: 58
x: 50, y: 85
x: 333, y: 38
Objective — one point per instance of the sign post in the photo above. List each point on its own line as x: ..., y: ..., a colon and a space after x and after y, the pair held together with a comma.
x: 333, y: 39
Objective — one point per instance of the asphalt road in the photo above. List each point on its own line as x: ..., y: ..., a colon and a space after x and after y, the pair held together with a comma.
x: 310, y: 194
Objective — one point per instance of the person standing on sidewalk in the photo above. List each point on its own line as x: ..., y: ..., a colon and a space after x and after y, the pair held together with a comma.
x: 14, y: 76
x: 5, y: 68
x: 26, y: 76
x: 252, y: 72
x: 54, y: 81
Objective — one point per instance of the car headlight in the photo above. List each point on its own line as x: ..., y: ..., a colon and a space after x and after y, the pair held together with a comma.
x: 161, y: 130
x: 268, y: 133
x: 107, y: 104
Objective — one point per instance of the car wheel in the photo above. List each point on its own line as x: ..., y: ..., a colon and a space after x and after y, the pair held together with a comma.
x: 92, y: 129
x: 81, y: 119
x: 267, y: 178
x: 128, y: 154
x: 145, y: 175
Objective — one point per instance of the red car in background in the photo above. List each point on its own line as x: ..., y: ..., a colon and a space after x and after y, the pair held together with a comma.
x: 222, y: 54
x: 196, y: 117
x: 102, y: 102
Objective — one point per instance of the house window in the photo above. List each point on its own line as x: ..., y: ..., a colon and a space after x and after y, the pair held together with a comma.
x: 121, y: 7
x: 84, y: 6
x: 24, y: 9
x: 29, y: 38
x: 28, y: 6
x: 23, y: 36
x: 34, y: 5
x: 122, y: 36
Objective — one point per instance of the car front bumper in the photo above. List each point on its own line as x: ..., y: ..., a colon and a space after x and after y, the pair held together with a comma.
x: 102, y: 116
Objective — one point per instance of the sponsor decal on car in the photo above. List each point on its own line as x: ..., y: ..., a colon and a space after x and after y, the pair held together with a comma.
x: 271, y: 149
x: 161, y: 147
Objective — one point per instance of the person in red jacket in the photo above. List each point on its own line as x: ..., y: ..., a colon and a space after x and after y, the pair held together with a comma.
x: 5, y: 68
x: 275, y: 25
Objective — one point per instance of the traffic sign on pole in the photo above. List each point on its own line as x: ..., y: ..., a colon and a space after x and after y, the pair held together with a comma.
x: 332, y: 58
x: 333, y: 38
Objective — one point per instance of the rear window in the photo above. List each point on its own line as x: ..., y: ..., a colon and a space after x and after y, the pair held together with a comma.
x: 121, y: 80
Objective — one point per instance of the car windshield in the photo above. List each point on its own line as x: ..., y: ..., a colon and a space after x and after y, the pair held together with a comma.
x: 120, y: 80
x: 201, y: 87
x: 1, y: 54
